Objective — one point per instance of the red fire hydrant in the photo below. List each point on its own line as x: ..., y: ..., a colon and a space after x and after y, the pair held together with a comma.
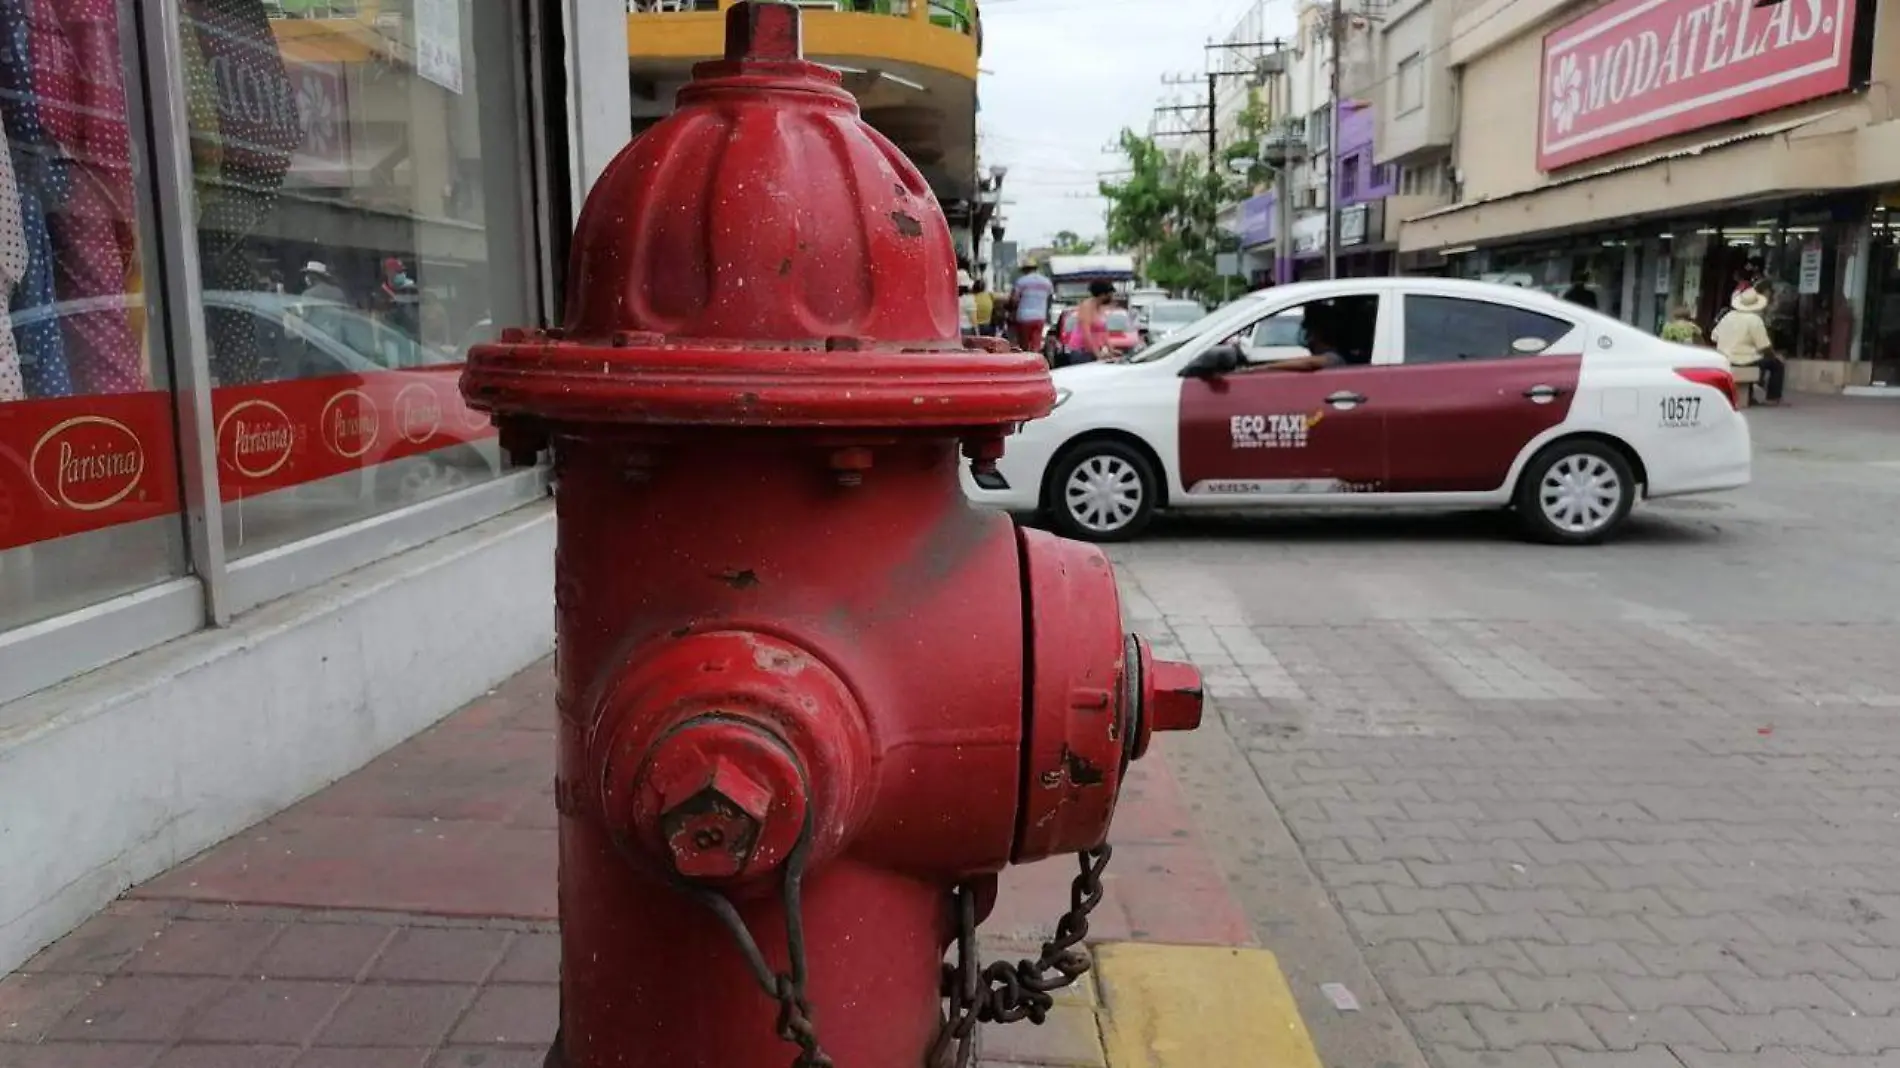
x: 811, y: 702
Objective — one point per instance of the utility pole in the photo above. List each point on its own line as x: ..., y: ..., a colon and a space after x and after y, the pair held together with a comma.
x: 1213, y: 87
x: 1336, y: 33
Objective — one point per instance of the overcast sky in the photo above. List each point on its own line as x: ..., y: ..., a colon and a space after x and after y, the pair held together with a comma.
x: 1062, y: 77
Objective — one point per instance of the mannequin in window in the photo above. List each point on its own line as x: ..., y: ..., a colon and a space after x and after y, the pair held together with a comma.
x: 42, y: 182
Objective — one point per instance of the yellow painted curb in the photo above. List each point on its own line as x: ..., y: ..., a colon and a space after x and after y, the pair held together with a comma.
x: 1198, y: 1007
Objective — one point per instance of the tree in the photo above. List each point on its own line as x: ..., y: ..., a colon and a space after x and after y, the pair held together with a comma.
x: 1069, y: 243
x: 1168, y: 208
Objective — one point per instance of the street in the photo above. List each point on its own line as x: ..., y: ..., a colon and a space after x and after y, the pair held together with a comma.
x: 1460, y: 801
x: 1629, y: 806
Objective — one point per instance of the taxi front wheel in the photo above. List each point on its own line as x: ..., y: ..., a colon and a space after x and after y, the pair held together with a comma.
x: 1101, y: 491
x: 1575, y: 492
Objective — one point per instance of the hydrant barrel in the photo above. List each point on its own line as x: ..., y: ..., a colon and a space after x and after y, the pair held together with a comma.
x: 811, y: 701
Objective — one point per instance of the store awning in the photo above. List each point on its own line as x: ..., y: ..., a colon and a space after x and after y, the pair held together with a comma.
x: 1736, y: 167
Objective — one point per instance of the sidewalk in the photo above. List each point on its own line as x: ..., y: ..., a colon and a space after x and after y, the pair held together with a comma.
x: 405, y: 918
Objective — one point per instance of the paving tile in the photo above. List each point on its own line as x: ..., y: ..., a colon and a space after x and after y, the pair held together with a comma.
x: 1175, y: 893
x: 287, y: 1011
x: 448, y: 867
x: 487, y: 1057
x: 204, y: 947
x: 129, y: 1008
x: 441, y: 954
x: 1069, y: 1037
x: 99, y: 946
x: 363, y: 1058
x: 397, y: 1015
x: 245, y: 1056
x: 450, y: 775
x: 323, y: 950
x: 81, y: 1055
x: 511, y: 1014
x: 533, y: 957
x: 30, y: 1004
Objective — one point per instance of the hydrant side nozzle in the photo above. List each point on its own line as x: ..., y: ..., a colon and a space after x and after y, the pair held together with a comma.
x: 715, y: 753
x: 1170, y: 697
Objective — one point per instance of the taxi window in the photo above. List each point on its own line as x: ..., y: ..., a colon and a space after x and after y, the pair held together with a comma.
x: 1282, y: 331
x: 1451, y: 329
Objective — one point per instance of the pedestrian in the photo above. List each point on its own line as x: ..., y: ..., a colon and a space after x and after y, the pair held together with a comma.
x: 985, y: 306
x: 1029, y: 302
x: 1580, y: 291
x: 1681, y: 327
x: 318, y: 285
x: 966, y: 303
x: 1086, y: 339
x: 1742, y: 336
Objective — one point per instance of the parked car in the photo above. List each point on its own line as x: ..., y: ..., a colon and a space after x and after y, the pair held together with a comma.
x: 1445, y: 393
x: 1163, y: 318
x: 1123, y: 336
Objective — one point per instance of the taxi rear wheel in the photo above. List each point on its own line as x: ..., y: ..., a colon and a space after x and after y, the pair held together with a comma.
x: 1102, y: 491
x: 1576, y: 492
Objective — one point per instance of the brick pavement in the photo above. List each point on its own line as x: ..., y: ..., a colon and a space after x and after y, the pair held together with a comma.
x: 405, y: 918
x: 1627, y: 807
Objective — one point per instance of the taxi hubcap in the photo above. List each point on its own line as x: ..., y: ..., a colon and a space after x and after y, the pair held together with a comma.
x: 1580, y: 493
x: 1104, y: 493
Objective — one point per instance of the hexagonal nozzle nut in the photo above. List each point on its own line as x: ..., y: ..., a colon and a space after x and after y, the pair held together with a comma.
x: 727, y: 800
x: 1174, y: 702
x: 710, y: 831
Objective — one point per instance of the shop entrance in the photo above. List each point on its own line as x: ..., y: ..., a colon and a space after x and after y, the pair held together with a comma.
x: 1883, y: 296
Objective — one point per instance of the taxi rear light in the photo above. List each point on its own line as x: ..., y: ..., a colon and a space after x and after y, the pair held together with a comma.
x: 1720, y: 378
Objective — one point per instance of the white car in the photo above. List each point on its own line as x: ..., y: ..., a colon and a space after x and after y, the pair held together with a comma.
x: 1164, y: 318
x: 1436, y: 392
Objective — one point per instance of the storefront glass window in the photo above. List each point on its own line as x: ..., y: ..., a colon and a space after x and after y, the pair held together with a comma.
x: 89, y: 477
x: 360, y: 224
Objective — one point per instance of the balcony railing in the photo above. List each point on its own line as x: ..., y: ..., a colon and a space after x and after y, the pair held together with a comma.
x: 958, y: 15
x: 317, y: 9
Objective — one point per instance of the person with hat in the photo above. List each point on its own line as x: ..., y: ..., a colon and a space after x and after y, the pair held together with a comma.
x: 318, y: 285
x: 966, y: 302
x: 1742, y: 336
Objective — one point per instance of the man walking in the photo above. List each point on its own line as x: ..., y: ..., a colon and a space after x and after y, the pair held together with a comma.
x: 318, y: 285
x: 1029, y: 299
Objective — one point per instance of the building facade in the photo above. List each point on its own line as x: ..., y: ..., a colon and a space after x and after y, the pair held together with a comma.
x: 249, y: 535
x: 1674, y: 144
x: 1365, y: 248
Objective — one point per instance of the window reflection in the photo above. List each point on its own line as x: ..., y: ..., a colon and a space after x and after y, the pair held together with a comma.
x: 359, y: 226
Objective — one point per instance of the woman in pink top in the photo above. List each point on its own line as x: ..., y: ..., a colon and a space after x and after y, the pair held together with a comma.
x: 1087, y: 337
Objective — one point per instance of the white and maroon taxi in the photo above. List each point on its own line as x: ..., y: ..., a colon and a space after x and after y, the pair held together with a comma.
x: 1434, y: 392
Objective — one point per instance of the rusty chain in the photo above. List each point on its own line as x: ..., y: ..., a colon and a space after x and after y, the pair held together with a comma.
x: 795, y: 1023
x: 1005, y: 992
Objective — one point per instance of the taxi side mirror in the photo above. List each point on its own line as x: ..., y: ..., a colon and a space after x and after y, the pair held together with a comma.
x: 1219, y: 360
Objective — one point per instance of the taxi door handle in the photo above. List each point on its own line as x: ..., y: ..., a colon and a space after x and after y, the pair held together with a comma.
x: 1543, y: 393
x: 1346, y: 396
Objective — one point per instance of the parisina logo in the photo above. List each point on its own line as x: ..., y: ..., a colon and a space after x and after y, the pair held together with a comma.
x: 418, y: 413
x: 87, y: 463
x: 350, y: 423
x: 256, y: 438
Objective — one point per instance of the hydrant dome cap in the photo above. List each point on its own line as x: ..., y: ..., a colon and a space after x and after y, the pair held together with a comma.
x: 764, y: 209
